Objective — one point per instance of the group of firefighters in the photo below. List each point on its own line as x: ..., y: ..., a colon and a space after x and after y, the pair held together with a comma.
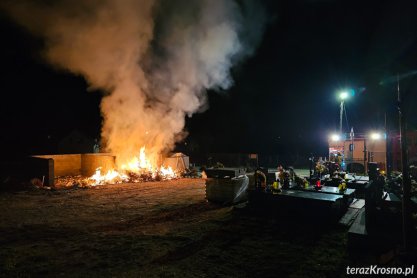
x: 323, y: 167
x: 283, y: 179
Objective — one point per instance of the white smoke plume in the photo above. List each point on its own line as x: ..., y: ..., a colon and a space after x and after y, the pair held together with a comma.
x: 155, y: 59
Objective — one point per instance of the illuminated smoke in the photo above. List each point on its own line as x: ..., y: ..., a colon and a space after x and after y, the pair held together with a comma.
x: 155, y: 59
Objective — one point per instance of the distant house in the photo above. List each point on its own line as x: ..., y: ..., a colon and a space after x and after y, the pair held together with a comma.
x: 76, y: 142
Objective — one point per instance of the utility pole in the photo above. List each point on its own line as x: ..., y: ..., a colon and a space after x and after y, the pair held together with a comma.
x: 365, y: 154
x: 351, y: 146
x: 387, y: 150
x: 342, y: 103
x: 406, y: 183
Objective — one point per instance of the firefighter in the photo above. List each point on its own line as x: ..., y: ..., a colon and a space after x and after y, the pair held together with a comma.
x: 339, y: 158
x: 260, y: 179
x: 279, y: 174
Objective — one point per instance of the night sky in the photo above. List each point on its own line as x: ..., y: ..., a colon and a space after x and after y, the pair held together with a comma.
x: 284, y: 97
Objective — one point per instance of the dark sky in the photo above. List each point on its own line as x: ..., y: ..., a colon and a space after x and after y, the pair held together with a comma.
x: 284, y: 97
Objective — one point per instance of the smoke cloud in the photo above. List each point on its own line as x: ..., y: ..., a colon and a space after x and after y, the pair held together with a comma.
x: 154, y: 59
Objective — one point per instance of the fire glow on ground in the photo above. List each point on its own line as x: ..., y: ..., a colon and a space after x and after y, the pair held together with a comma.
x: 157, y: 229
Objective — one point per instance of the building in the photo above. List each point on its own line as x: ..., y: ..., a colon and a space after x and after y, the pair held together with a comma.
x: 371, y: 148
x: 354, y: 152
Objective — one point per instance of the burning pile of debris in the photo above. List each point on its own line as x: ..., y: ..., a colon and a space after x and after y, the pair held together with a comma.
x: 112, y: 177
x: 138, y: 169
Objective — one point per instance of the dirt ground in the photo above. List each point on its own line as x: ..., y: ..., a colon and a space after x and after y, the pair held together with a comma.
x: 158, y: 229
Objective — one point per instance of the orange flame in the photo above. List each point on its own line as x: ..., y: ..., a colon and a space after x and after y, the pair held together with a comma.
x: 132, y: 171
x: 111, y: 177
x: 139, y: 164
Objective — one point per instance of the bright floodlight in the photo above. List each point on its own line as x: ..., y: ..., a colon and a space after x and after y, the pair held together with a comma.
x: 343, y: 95
x: 376, y: 136
x: 335, y: 137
